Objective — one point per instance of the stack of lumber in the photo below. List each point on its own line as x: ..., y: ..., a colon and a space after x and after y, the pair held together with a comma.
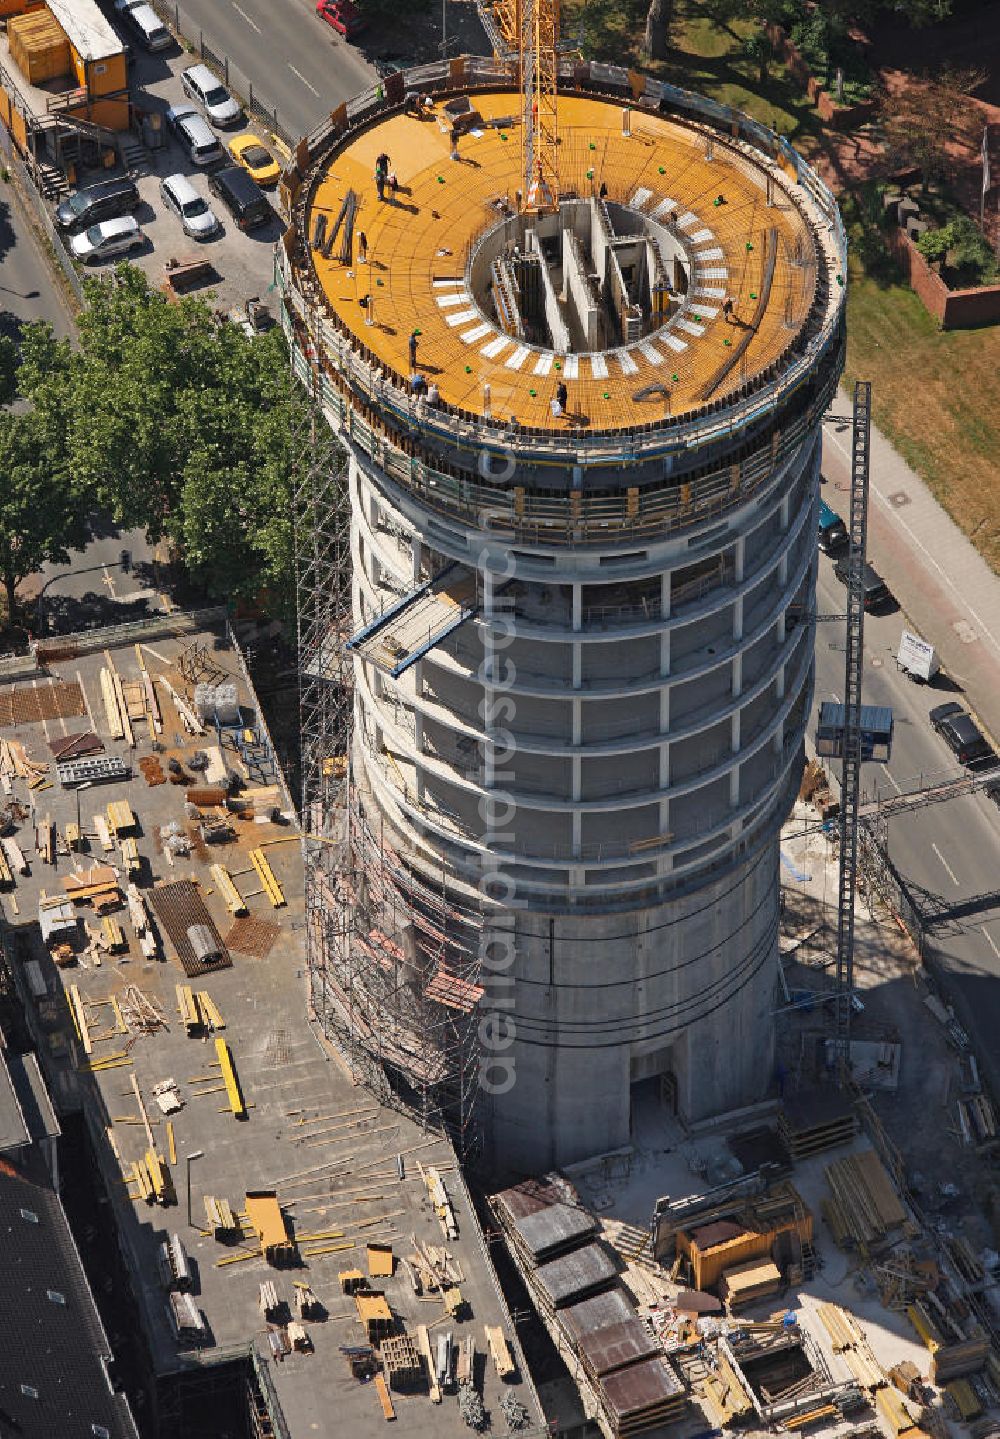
x: 746, y: 1283
x: 198, y: 1011
x: 810, y: 1126
x: 848, y: 1339
x: 151, y: 1176
x: 956, y: 1348
x: 499, y: 1351
x: 221, y: 1220
x: 977, y: 1120
x: 14, y: 763
x: 138, y: 914
x: 865, y: 1207
x: 97, y: 886
x: 434, y: 1266
x: 14, y: 856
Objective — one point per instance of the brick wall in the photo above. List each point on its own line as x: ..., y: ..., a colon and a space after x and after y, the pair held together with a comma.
x: 838, y: 117
x: 953, y: 309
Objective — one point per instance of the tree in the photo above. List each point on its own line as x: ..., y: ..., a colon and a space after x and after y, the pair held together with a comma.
x: 923, y: 124
x: 179, y: 424
x: 659, y: 20
x: 40, y: 519
x: 757, y: 49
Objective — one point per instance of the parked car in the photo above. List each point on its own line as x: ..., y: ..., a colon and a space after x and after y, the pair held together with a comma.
x: 833, y: 534
x: 181, y: 198
x: 143, y: 19
x: 213, y: 97
x: 194, y: 135
x: 256, y: 159
x: 242, y: 197
x: 345, y: 18
x: 961, y: 734
x: 875, y: 587
x: 104, y: 201
x: 107, y: 240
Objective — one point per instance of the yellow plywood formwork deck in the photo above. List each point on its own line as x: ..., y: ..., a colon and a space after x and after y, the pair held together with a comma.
x: 418, y: 242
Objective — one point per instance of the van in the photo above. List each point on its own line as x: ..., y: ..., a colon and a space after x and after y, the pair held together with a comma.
x: 104, y: 201
x: 213, y: 97
x: 180, y: 196
x: 194, y: 135
x: 833, y: 534
x: 242, y: 197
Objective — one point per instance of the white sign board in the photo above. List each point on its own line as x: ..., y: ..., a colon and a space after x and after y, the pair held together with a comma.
x: 916, y: 656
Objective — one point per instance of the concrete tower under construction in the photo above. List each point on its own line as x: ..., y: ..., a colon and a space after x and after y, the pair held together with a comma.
x: 553, y: 724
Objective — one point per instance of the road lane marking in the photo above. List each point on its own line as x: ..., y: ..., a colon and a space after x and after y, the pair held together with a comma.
x: 954, y: 876
x: 897, y: 519
x: 896, y: 787
x: 989, y: 940
x: 299, y: 75
x: 243, y: 14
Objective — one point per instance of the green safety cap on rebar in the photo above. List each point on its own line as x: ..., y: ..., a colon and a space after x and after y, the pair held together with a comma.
x: 662, y: 170
x: 749, y: 245
x: 468, y: 369
x: 532, y: 393
x: 606, y: 395
x: 590, y: 174
x: 440, y: 179
x: 753, y: 294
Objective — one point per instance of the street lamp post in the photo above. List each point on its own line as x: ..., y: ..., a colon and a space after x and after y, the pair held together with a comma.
x: 188, y: 1158
x: 80, y: 787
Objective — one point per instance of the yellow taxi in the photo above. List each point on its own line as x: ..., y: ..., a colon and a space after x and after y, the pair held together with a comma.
x: 254, y: 156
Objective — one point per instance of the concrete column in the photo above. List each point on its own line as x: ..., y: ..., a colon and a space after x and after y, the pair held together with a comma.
x: 577, y: 836
x: 416, y: 557
x: 738, y: 619
x: 664, y: 655
x: 665, y: 595
x: 779, y: 685
x: 576, y: 764
x: 577, y: 607
x: 784, y: 510
x: 783, y: 569
x: 737, y: 675
x: 664, y: 767
x: 781, y: 628
x: 739, y: 558
x: 664, y: 710
x: 418, y: 731
x: 577, y: 664
x: 577, y: 707
x: 734, y: 787
x: 735, y: 727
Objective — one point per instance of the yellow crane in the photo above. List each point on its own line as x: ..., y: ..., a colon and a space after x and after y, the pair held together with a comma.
x: 528, y: 31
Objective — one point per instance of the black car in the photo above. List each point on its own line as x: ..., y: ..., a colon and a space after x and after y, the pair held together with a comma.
x: 961, y: 734
x: 107, y: 200
x: 242, y: 196
x: 875, y: 588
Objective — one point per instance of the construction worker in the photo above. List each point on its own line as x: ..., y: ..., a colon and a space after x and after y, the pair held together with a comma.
x: 412, y: 347
x: 362, y: 248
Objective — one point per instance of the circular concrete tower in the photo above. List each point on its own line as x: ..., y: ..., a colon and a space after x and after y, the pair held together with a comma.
x: 584, y: 445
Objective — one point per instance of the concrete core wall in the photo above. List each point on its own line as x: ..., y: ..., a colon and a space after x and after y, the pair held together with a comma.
x: 684, y: 988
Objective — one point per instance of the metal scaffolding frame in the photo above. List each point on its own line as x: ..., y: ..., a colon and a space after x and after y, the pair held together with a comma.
x: 393, y: 956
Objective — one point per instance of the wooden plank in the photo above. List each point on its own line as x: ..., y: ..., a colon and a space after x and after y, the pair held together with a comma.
x: 226, y: 886
x: 382, y: 1390
x: 271, y: 886
x: 81, y: 1019
x: 232, y: 1084
x: 171, y: 1143
x: 424, y: 1345
x: 142, y: 1110
x: 103, y: 833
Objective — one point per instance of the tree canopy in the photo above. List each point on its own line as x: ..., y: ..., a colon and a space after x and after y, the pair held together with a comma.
x: 173, y: 422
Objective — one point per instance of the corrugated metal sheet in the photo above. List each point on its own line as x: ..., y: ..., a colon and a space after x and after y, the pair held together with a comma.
x: 641, y: 1386
x: 576, y: 1275
x: 617, y: 1345
x: 86, y: 29
x: 547, y: 1215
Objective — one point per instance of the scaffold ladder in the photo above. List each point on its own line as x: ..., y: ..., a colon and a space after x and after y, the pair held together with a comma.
x: 851, y: 765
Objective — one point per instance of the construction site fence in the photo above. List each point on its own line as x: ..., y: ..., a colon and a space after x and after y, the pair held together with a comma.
x: 85, y: 642
x: 22, y: 171
x: 188, y: 29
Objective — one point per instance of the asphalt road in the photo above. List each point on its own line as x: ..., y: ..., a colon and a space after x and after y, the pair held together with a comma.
x: 27, y: 288
x: 293, y: 60
x: 949, y: 853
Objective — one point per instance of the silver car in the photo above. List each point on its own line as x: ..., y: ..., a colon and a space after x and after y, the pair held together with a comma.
x: 107, y: 240
x: 213, y: 97
x: 194, y: 213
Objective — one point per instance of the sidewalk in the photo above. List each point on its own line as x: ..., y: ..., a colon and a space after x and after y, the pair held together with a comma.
x: 947, y: 592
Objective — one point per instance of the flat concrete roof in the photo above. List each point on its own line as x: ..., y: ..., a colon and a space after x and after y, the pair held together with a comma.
x: 13, y: 1127
x: 419, y: 240
x: 311, y: 1132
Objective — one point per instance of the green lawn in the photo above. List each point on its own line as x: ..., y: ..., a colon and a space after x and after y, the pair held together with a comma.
x: 936, y: 394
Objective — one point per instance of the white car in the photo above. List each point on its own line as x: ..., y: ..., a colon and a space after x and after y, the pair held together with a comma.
x: 107, y: 240
x: 147, y: 25
x: 205, y: 90
x: 180, y: 197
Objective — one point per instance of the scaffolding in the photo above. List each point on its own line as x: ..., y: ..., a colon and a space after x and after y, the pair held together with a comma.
x: 393, y: 955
